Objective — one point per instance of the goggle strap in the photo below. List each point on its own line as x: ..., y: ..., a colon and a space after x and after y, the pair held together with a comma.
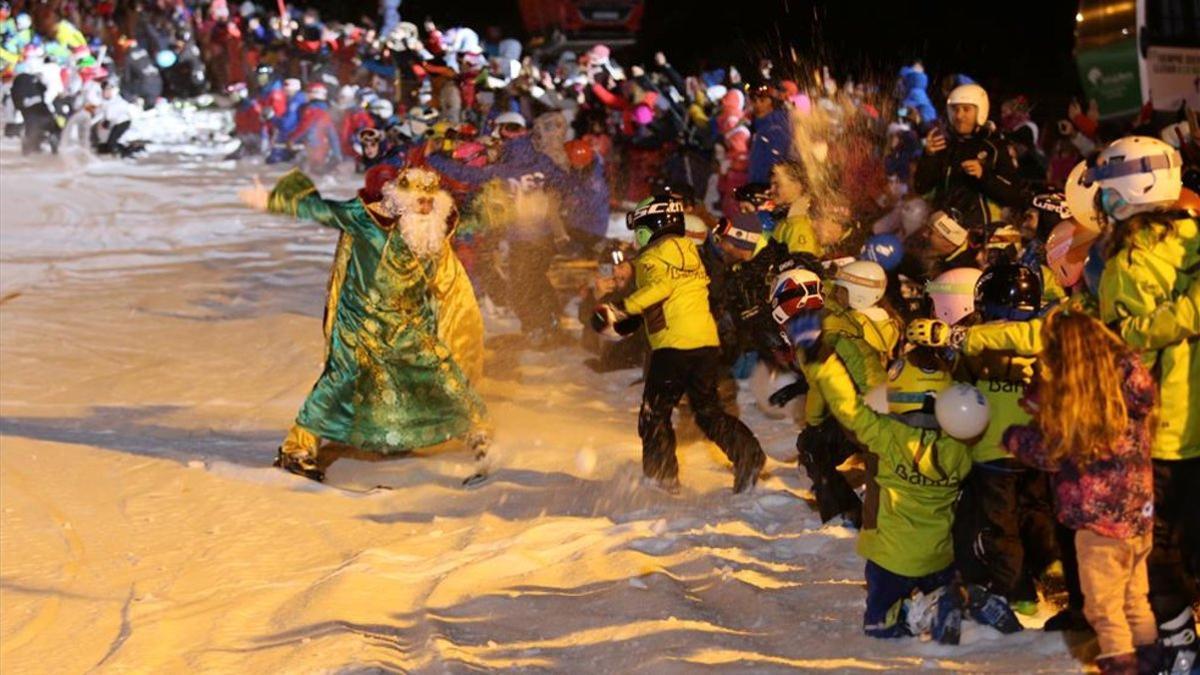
x: 1131, y: 167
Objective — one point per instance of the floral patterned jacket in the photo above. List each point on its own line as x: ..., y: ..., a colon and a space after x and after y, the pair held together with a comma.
x: 1112, y: 496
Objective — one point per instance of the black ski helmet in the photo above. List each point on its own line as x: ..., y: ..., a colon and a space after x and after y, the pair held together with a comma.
x: 660, y: 214
x: 1008, y: 292
x: 757, y: 194
x: 679, y: 190
x: 1051, y: 209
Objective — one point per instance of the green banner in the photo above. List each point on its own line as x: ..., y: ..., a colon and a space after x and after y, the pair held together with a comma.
x: 1109, y: 74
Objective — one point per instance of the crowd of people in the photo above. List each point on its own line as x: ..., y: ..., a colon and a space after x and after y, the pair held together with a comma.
x: 997, y: 323
x: 1015, y: 369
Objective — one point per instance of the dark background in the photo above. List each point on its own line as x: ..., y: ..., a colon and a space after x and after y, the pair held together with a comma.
x: 1009, y: 46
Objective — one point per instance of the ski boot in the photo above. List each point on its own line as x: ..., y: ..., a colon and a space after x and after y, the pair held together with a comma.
x: 299, y: 464
x: 919, y: 610
x: 1178, y: 637
x: 947, y: 620
x: 990, y: 609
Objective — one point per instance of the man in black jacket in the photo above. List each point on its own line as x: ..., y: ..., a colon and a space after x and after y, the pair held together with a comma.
x: 970, y: 168
x: 29, y: 97
x: 140, y: 77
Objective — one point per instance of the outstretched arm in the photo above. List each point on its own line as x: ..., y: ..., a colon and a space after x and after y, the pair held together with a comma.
x: 295, y: 195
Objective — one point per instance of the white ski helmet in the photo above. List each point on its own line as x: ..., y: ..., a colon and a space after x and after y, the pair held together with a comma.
x: 1137, y: 174
x: 1081, y: 198
x: 953, y: 293
x: 864, y: 280
x: 510, y: 118
x: 970, y: 94
x: 962, y: 412
x: 381, y: 108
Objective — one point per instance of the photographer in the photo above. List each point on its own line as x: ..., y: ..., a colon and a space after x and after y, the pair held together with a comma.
x: 967, y: 165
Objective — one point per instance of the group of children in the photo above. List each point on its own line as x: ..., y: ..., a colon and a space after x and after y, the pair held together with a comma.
x: 1038, y: 404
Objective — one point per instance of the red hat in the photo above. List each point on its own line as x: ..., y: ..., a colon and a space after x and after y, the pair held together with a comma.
x: 376, y: 177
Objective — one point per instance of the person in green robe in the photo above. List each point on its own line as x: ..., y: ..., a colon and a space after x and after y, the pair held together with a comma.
x: 390, y: 382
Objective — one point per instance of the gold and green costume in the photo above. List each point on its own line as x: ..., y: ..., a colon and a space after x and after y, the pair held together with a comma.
x: 391, y: 382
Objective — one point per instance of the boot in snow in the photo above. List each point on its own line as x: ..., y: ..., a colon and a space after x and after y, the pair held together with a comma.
x: 992, y: 610
x: 1069, y: 619
x: 300, y: 464
x: 746, y: 470
x: 667, y: 484
x: 920, y: 610
x: 479, y: 441
x: 947, y: 621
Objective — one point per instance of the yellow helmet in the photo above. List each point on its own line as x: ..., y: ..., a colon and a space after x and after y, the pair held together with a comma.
x: 909, y: 385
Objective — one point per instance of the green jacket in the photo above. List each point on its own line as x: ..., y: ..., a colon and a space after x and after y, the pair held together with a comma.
x: 913, y: 478
x: 846, y: 330
x: 1149, y: 294
x: 1000, y: 358
x: 1003, y: 399
x: 1020, y: 337
x: 672, y: 295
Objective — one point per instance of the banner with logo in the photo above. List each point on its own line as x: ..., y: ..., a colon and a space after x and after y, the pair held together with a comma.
x: 1109, y: 75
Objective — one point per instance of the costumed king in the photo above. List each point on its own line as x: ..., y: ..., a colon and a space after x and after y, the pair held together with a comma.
x: 404, y: 335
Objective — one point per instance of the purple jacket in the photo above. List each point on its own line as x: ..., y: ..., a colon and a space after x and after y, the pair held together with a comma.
x: 1112, y: 496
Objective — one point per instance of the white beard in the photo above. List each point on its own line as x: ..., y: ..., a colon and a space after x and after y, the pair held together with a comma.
x: 425, y: 234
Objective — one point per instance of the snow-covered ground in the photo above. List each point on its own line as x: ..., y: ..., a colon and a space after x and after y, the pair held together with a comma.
x: 156, y: 340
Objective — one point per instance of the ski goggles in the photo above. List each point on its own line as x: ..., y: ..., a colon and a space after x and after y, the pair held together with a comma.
x: 858, y: 280
x: 809, y: 295
x: 743, y: 239
x: 1130, y: 167
x: 949, y: 229
x: 949, y: 288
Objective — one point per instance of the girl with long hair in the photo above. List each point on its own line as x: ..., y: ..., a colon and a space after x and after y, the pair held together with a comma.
x: 1093, y: 407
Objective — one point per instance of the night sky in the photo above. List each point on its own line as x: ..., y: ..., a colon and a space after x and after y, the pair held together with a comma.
x: 1015, y: 46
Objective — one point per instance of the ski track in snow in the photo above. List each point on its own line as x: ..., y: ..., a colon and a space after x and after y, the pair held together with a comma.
x: 156, y: 341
